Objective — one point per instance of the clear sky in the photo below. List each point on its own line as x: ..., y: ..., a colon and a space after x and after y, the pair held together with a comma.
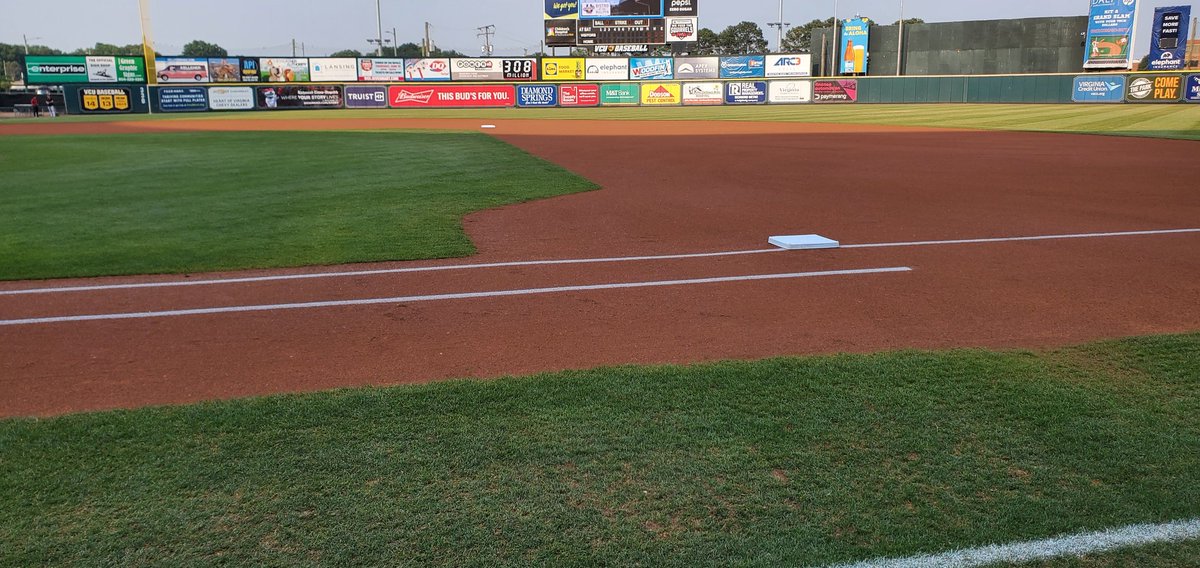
x: 267, y: 27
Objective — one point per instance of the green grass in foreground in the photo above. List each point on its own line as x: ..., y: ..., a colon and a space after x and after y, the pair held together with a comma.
x: 1170, y: 555
x: 795, y: 461
x: 155, y: 203
x: 1181, y: 121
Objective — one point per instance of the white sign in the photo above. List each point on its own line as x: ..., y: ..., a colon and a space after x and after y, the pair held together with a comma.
x: 231, y: 98
x: 784, y: 92
x: 333, y: 69
x: 102, y: 69
x: 703, y: 93
x: 682, y: 29
x: 379, y: 69
x: 789, y: 65
x: 606, y: 69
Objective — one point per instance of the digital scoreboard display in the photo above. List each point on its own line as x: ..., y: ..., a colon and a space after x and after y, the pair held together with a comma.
x: 610, y: 31
x: 589, y: 9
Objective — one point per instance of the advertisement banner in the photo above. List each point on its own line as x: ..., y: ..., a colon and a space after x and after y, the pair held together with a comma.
x: 743, y: 67
x: 746, y: 92
x: 662, y: 94
x: 231, y: 98
x: 855, y: 45
x: 1168, y: 38
x: 225, y: 70
x: 181, y: 70
x: 621, y: 9
x: 1094, y: 89
x: 1110, y: 34
x: 696, y: 94
x: 102, y: 70
x: 300, y: 96
x: 556, y: 9
x: 1192, y: 94
x: 1155, y: 89
x: 562, y: 33
x: 789, y: 92
x: 697, y: 67
x: 537, y: 95
x: 55, y: 69
x: 681, y: 30
x: 366, y: 96
x: 620, y: 94
x: 682, y: 8
x: 250, y: 70
x: 445, y: 96
x: 563, y: 68
x: 427, y: 69
x: 836, y: 91
x: 283, y: 70
x: 105, y: 100
x: 579, y: 95
x: 334, y: 69
x: 650, y: 68
x: 493, y: 69
x: 377, y: 69
x: 789, y: 65
x: 183, y: 99
x: 607, y: 69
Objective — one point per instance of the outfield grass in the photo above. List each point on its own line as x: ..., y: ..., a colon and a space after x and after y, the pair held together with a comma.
x: 1181, y: 121
x: 187, y: 202
x: 791, y: 462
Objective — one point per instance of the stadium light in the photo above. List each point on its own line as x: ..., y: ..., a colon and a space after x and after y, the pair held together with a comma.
x: 781, y: 26
x: 900, y: 40
x: 379, y: 25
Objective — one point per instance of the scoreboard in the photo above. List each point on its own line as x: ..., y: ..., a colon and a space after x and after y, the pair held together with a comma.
x: 600, y: 23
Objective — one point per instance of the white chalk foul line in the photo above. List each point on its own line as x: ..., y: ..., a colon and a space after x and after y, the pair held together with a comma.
x: 435, y: 297
x: 1016, y: 239
x: 1073, y: 545
x: 342, y: 274
x: 338, y: 274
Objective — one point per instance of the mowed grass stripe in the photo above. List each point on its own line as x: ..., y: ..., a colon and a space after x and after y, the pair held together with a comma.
x: 804, y: 461
x: 187, y: 202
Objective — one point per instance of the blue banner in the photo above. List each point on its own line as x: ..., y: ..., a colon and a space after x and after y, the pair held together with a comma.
x: 651, y: 68
x: 1192, y: 92
x: 366, y: 96
x: 854, y: 44
x: 1110, y: 34
x: 746, y: 93
x: 183, y: 99
x: 1099, y: 89
x: 1168, y: 38
x: 537, y: 95
x: 743, y: 67
x: 562, y: 9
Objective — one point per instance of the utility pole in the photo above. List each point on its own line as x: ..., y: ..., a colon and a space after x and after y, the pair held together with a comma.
x: 781, y: 26
x: 293, y: 47
x: 27, y: 42
x: 428, y: 47
x: 395, y: 44
x: 379, y: 24
x: 486, y: 33
x: 837, y: 42
x: 900, y: 41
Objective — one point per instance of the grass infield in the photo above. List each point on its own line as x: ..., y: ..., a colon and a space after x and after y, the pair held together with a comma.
x: 171, y: 203
x: 798, y: 461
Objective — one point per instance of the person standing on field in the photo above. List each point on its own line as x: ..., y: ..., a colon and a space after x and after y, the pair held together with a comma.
x: 34, y: 106
x: 50, y: 106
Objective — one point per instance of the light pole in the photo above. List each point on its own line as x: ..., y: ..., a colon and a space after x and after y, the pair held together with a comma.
x: 900, y: 40
x: 27, y: 42
x: 781, y: 26
x: 379, y: 25
x: 837, y: 41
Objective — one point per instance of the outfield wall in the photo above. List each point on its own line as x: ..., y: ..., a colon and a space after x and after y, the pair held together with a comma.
x: 1090, y: 88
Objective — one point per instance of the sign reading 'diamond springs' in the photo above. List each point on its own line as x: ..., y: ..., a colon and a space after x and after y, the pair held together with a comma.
x: 537, y: 95
x: 463, y: 96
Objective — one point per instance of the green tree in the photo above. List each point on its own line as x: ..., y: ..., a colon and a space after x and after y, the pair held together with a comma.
x: 110, y: 49
x: 346, y: 53
x: 909, y: 21
x: 743, y: 38
x: 198, y: 48
x: 408, y: 50
x: 799, y: 38
x: 707, y: 43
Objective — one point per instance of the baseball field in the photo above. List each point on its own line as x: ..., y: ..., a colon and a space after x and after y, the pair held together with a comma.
x: 523, y: 337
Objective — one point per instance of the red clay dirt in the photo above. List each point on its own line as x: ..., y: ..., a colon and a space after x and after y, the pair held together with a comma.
x: 670, y: 187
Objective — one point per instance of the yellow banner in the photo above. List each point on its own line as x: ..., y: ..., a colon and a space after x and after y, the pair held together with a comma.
x: 662, y: 94
x: 563, y: 69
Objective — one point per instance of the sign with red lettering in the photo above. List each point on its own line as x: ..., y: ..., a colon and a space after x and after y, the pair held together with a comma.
x: 410, y: 96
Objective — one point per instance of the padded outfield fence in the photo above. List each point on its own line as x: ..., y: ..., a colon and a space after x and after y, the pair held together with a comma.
x: 1091, y: 88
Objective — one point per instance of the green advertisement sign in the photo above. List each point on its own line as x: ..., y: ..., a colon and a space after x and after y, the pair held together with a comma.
x: 64, y: 69
x: 620, y: 94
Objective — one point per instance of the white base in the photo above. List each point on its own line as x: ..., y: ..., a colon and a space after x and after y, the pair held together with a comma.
x: 803, y: 242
